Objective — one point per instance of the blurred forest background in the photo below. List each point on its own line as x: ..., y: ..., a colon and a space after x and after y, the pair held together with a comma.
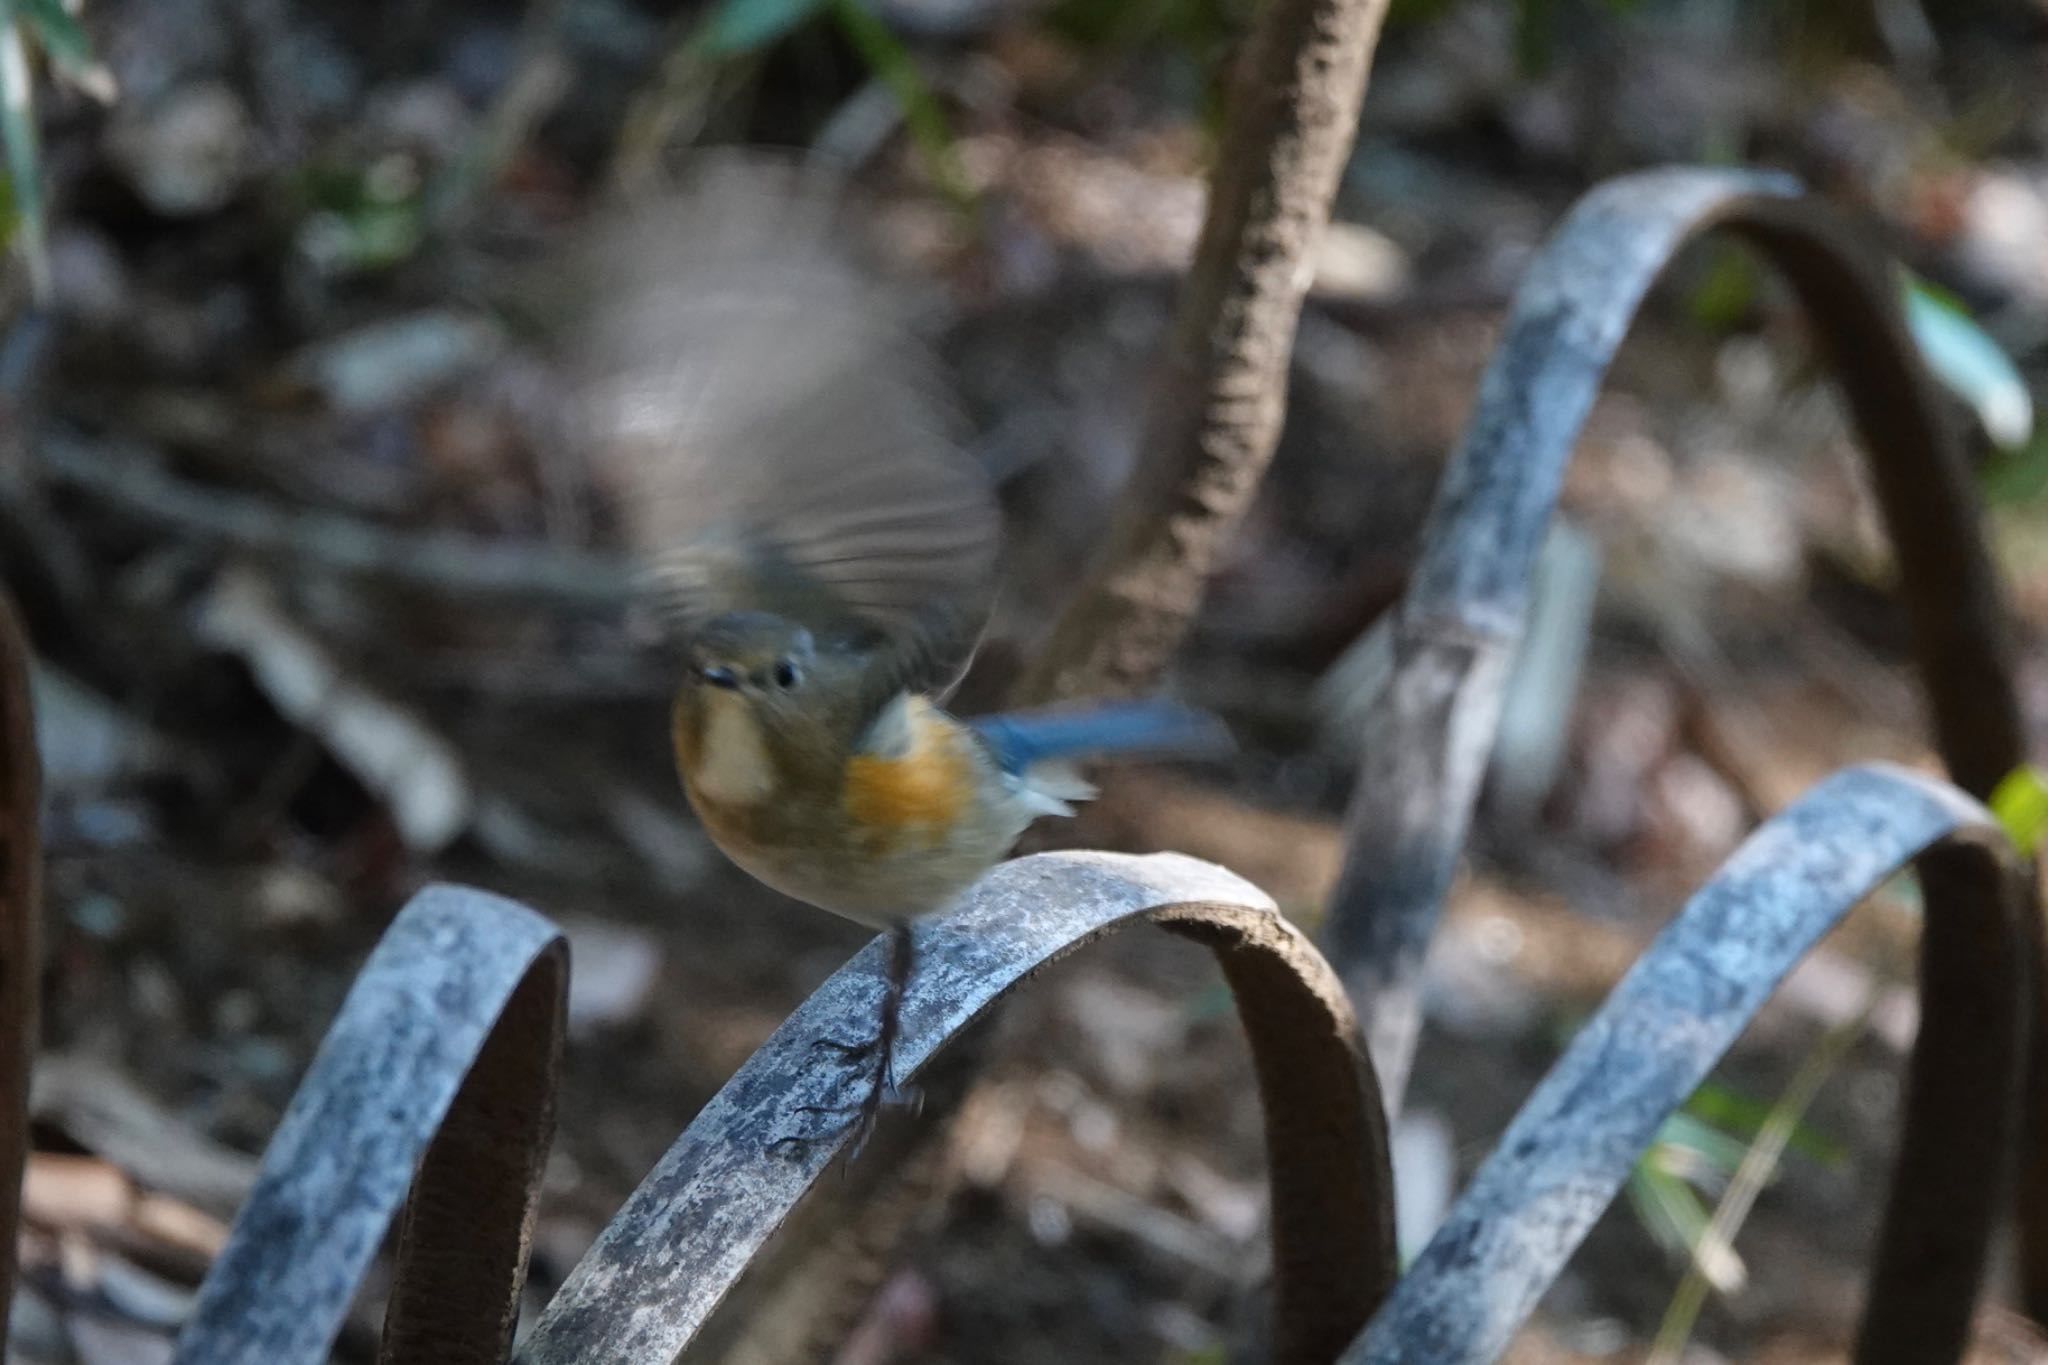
x: 327, y: 604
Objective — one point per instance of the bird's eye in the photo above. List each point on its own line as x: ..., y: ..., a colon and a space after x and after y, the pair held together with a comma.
x: 785, y: 673
x: 720, y: 677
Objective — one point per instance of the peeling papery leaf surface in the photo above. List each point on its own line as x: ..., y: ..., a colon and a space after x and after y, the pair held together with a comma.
x: 1432, y: 722
x: 443, y: 1062
x: 1568, y: 1151
x: 661, y: 1268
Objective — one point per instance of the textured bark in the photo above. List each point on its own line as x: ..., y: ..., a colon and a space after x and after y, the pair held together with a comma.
x: 1222, y: 391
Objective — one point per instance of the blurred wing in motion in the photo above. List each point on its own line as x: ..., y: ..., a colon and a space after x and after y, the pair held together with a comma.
x: 777, y: 436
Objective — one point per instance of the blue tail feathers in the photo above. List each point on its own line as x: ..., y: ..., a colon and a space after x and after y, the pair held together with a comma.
x: 1023, y: 738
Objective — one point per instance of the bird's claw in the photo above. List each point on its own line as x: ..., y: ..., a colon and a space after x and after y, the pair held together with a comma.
x: 881, y: 1047
x: 859, y: 1055
x: 861, y: 1116
x: 852, y: 1052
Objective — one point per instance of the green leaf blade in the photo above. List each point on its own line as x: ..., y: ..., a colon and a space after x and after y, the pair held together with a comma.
x: 2020, y: 801
x: 18, y: 139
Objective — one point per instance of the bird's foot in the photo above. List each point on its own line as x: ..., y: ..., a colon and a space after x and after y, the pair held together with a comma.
x: 851, y: 1053
x: 858, y: 1116
x: 878, y: 1048
x: 858, y: 1054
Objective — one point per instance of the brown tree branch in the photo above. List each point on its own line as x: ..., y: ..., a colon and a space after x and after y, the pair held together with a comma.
x: 1222, y: 391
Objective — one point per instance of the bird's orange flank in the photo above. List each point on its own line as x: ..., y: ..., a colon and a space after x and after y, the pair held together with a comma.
x: 919, y: 794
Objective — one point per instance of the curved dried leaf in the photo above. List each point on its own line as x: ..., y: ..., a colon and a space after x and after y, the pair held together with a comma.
x: 1568, y: 1151
x: 662, y: 1267
x: 443, y: 1061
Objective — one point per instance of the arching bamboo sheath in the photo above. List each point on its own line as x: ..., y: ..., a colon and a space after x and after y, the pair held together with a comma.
x: 21, y: 959
x: 443, y: 1061
x: 1565, y: 1156
x: 1428, y: 734
x: 661, y: 1268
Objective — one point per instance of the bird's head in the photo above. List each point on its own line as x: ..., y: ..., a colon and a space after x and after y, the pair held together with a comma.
x: 761, y: 709
x: 761, y: 661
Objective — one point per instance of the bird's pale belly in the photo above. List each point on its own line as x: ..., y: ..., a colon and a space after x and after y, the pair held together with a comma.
x: 875, y: 882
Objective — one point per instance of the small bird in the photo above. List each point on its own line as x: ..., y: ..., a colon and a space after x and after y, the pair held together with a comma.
x: 825, y: 549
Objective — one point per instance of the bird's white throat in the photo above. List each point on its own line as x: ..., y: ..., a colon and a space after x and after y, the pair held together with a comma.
x: 733, y: 767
